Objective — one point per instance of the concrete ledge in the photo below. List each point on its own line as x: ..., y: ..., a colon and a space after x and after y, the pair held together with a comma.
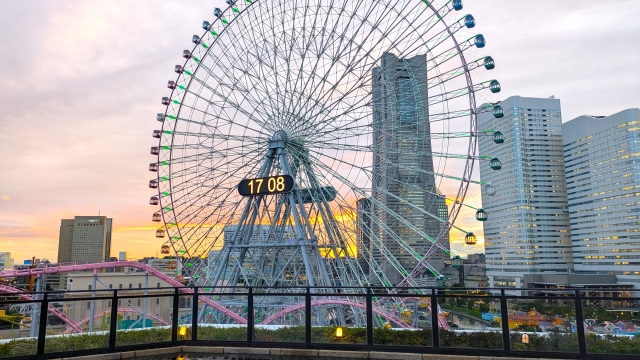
x: 246, y: 351
x: 128, y: 355
x: 203, y: 349
x: 394, y: 356
x: 294, y: 352
x: 447, y: 357
x: 343, y: 354
x: 159, y: 351
x: 498, y: 358
x: 108, y: 356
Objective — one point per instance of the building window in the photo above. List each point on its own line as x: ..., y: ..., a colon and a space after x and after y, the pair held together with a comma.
x: 130, y: 286
x: 158, y: 284
x: 109, y: 303
x: 88, y: 304
x: 89, y: 288
x: 139, y: 285
x: 185, y: 302
x: 119, y: 286
x: 110, y: 286
x: 157, y: 301
x: 138, y: 302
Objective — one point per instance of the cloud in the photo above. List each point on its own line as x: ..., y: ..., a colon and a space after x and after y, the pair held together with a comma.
x: 82, y: 82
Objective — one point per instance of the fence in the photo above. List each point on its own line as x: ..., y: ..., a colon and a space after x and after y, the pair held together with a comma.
x: 549, y: 323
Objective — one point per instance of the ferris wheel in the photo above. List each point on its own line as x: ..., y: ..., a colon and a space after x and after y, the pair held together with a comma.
x: 322, y: 143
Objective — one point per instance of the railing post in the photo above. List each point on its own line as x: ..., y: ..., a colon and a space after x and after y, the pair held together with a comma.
x: 504, y: 320
x: 194, y: 315
x: 113, y: 320
x: 434, y: 320
x: 369, y: 313
x: 42, y: 326
x: 250, y: 318
x: 582, y: 341
x: 174, y: 318
x: 307, y: 317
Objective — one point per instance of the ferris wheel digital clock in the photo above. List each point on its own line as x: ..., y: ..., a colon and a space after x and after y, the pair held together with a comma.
x: 266, y: 186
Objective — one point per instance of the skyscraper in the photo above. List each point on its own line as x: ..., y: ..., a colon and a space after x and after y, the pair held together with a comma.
x: 528, y: 226
x: 403, y: 179
x: 363, y: 233
x: 85, y: 239
x: 602, y: 161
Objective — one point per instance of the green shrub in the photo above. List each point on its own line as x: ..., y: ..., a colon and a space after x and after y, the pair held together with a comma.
x: 486, y: 340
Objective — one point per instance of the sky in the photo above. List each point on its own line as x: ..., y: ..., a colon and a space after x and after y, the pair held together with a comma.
x: 82, y: 82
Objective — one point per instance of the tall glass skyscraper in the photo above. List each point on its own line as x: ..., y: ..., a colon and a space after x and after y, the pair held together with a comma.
x: 403, y: 164
x: 602, y: 160
x: 528, y: 226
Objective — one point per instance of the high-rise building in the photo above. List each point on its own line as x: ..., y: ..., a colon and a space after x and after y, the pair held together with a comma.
x: 602, y: 161
x: 403, y: 177
x: 85, y: 239
x: 363, y: 233
x: 6, y: 261
x: 527, y: 230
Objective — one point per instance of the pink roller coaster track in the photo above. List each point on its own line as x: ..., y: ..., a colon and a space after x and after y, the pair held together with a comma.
x: 173, y: 282
x: 120, y: 310
x: 59, y: 314
x: 283, y: 312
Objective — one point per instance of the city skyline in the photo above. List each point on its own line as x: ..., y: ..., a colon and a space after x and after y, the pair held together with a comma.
x: 84, y: 147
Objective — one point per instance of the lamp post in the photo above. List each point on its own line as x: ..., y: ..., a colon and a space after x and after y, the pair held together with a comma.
x: 458, y: 263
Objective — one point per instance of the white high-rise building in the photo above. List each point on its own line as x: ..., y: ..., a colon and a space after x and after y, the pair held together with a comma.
x: 6, y: 261
x: 528, y: 226
x: 602, y: 160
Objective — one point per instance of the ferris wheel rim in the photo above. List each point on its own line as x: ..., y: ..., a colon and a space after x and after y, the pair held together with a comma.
x: 469, y: 164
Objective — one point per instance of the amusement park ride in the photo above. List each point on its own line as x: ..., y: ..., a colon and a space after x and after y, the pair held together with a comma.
x: 273, y: 133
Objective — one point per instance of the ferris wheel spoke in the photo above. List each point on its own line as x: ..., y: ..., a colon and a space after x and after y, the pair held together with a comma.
x: 384, y: 207
x: 301, y: 71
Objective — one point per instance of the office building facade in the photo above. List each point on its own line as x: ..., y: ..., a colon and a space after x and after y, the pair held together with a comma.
x: 527, y: 230
x: 403, y: 179
x: 602, y: 161
x: 85, y: 239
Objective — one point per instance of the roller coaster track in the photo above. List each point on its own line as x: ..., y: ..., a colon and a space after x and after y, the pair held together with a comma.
x: 87, y: 267
x: 59, y: 314
x: 171, y: 281
x: 120, y: 310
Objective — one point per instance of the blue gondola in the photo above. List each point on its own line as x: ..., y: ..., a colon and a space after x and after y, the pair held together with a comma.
x: 495, y: 164
x: 497, y: 111
x: 498, y: 138
x: 494, y: 86
x: 457, y: 5
x: 489, y: 63
x: 469, y: 21
x: 479, y: 41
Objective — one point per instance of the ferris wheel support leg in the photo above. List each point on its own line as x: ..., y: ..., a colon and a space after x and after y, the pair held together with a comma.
x: 302, y: 235
x: 35, y: 316
x: 92, y: 311
x: 144, y: 301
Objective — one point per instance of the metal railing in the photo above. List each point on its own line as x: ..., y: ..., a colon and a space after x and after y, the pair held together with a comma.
x: 375, y: 299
